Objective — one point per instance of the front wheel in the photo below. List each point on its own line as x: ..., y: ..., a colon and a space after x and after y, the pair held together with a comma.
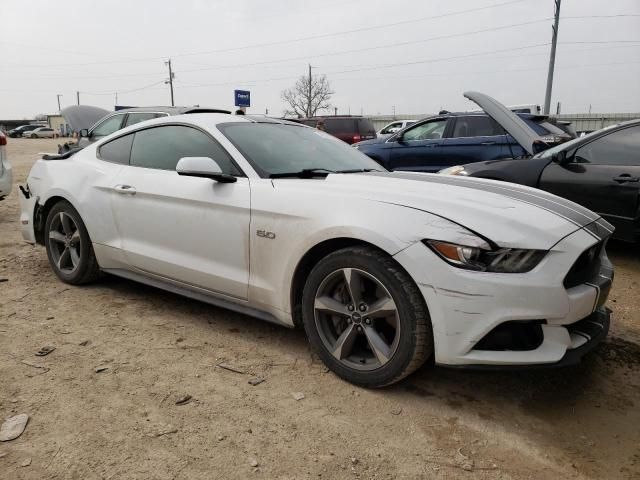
x: 68, y: 246
x: 366, y: 318
x: 34, y: 136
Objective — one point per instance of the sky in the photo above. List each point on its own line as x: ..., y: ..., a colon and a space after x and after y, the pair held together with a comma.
x: 406, y: 56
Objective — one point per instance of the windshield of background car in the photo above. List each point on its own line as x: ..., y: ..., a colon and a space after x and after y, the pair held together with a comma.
x: 276, y: 148
x: 569, y: 145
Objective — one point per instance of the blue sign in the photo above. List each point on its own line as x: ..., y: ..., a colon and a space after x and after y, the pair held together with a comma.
x: 242, y: 97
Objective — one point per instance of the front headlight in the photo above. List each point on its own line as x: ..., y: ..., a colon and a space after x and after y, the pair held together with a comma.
x: 457, y: 170
x: 502, y: 260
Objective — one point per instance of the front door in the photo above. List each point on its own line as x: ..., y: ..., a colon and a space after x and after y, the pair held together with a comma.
x: 189, y: 229
x: 604, y: 176
x: 419, y: 148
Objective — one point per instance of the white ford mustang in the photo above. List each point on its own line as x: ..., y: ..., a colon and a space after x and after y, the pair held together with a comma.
x: 286, y: 223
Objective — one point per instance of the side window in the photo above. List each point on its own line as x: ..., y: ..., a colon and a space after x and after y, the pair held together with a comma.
x: 617, y: 148
x: 117, y: 150
x: 110, y: 125
x: 163, y: 147
x: 476, y: 126
x: 432, y: 130
x: 392, y: 128
x: 134, y: 118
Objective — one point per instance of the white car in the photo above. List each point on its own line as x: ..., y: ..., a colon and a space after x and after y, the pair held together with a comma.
x: 42, y: 132
x: 394, y: 127
x: 290, y: 225
x: 6, y: 177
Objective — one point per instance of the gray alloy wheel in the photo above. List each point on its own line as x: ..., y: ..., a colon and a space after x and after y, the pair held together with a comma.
x: 365, y: 317
x: 68, y: 245
x: 357, y: 319
x: 64, y: 238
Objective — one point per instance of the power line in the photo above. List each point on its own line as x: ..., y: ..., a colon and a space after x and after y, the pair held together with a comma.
x: 329, y: 54
x: 113, y: 92
x: 301, y: 39
x: 431, y: 60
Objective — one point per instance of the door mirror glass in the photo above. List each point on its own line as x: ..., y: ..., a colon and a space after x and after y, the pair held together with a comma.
x: 560, y: 157
x: 203, y: 167
x: 84, y: 132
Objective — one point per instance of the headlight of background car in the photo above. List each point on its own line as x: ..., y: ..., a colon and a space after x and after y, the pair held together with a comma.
x: 503, y: 260
x: 457, y: 170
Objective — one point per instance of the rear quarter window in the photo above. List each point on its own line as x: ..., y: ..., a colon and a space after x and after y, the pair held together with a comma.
x: 340, y: 125
x: 117, y: 151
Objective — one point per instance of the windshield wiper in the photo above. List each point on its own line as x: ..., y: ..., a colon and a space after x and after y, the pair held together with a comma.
x: 319, y: 172
x: 359, y: 170
x: 304, y: 173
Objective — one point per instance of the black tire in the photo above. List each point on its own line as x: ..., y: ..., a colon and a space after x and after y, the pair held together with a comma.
x: 34, y: 136
x: 414, y: 344
x: 87, y: 269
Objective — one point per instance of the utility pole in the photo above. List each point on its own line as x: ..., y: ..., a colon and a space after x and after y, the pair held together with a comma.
x: 116, y: 98
x: 552, y: 58
x: 78, y: 97
x: 59, y: 95
x: 309, y: 97
x: 170, y: 81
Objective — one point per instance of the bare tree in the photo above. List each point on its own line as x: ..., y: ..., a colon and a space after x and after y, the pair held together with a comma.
x: 310, y: 94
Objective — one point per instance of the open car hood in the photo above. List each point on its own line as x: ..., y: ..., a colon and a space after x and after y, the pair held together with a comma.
x: 514, y: 125
x: 83, y: 116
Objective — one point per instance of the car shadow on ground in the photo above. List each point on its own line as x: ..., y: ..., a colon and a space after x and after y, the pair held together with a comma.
x: 536, y: 388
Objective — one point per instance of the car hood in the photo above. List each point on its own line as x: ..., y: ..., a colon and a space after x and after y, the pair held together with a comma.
x: 508, y: 120
x: 373, y: 141
x: 510, y: 215
x: 83, y: 116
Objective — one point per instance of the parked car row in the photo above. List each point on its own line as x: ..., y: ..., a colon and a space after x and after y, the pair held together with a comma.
x: 22, y: 130
x: 384, y: 270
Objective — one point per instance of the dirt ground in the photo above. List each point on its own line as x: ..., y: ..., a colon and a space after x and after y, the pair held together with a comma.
x: 123, y: 423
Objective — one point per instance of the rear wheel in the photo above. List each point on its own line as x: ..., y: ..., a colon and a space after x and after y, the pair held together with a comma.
x: 34, y: 136
x: 366, y: 318
x: 68, y: 246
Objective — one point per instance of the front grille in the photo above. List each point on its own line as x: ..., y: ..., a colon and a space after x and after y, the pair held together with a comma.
x: 585, y: 268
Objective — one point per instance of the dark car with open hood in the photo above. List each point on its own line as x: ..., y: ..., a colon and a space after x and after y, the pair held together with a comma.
x: 600, y: 171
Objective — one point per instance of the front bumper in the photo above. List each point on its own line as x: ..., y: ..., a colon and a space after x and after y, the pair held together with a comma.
x: 466, y: 307
x: 27, y: 217
x: 6, y: 179
x: 586, y: 334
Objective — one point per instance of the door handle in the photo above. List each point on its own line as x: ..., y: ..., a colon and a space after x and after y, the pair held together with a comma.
x: 625, y: 178
x: 488, y: 143
x: 125, y: 189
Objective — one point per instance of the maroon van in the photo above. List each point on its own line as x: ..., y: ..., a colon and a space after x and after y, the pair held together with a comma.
x: 351, y: 129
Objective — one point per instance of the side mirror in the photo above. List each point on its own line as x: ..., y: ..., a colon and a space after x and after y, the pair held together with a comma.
x: 399, y: 137
x: 84, y: 133
x: 203, y: 167
x: 560, y: 157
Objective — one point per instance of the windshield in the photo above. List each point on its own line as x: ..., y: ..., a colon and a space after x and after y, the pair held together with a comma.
x: 568, y: 145
x: 277, y: 149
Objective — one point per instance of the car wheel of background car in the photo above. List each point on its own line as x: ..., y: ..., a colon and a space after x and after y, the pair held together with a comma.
x: 68, y: 246
x: 365, y: 317
x: 34, y: 136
